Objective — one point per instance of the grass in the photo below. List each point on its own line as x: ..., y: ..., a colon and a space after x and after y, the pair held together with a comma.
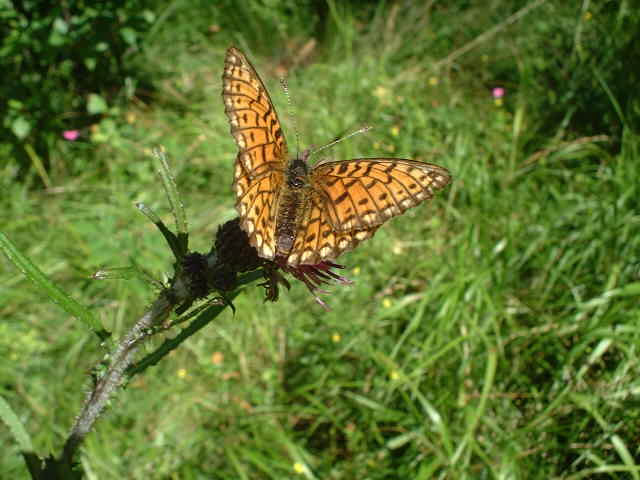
x: 492, y: 333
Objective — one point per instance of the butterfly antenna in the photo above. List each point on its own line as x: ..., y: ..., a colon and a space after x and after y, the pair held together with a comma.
x: 364, y: 129
x: 291, y: 112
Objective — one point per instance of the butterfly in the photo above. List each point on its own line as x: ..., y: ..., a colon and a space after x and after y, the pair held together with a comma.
x: 297, y: 214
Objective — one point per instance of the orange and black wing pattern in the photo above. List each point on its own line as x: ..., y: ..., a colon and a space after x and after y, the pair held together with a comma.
x: 350, y: 199
x: 316, y: 238
x: 262, y: 157
x: 343, y: 202
x: 364, y: 193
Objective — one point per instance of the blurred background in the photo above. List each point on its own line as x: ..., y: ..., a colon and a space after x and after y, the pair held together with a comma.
x: 491, y: 333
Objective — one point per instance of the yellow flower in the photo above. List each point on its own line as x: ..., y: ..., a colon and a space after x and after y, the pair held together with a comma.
x: 217, y: 358
x: 356, y: 271
x: 386, y: 303
x: 394, y: 375
x: 299, y: 468
x: 381, y: 92
x: 336, y: 337
x: 433, y: 81
x: 395, y: 130
x: 182, y: 372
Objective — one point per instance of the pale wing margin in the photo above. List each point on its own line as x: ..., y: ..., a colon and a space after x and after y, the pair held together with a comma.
x: 257, y: 203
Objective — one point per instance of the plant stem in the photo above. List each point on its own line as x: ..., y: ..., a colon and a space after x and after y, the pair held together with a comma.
x: 122, y: 357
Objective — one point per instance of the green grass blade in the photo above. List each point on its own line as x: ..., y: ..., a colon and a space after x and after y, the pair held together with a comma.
x: 56, y: 294
x: 625, y: 455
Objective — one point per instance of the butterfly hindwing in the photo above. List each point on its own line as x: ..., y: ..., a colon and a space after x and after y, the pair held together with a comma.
x: 256, y: 204
x: 316, y: 239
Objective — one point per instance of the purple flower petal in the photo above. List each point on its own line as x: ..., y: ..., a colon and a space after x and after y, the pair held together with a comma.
x: 314, y: 276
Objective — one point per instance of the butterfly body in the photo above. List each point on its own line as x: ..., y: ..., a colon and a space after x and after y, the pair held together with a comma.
x: 291, y: 206
x: 299, y: 214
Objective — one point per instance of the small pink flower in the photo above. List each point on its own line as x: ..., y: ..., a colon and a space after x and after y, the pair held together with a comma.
x: 498, y: 92
x: 71, y: 135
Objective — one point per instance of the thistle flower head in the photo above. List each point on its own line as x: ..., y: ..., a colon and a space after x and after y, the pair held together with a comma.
x: 234, y: 254
x: 315, y: 276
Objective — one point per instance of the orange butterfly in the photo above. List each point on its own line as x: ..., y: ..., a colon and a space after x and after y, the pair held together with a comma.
x: 301, y: 215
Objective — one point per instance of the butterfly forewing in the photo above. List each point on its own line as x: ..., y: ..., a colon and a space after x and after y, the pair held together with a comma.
x: 253, y: 118
x: 262, y: 155
x: 363, y: 193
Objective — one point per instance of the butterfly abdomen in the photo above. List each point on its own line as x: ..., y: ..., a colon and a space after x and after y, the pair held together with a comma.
x: 289, y: 210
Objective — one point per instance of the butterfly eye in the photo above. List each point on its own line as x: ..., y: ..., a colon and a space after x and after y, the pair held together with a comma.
x: 296, y: 182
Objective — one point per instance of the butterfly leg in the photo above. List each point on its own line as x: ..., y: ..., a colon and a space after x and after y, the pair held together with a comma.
x: 272, y: 277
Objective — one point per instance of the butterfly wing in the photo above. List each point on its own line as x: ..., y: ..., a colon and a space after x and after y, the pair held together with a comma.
x: 316, y: 239
x: 363, y: 193
x: 350, y: 199
x: 262, y: 156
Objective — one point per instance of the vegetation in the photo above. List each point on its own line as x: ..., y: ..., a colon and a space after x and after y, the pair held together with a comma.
x: 491, y: 333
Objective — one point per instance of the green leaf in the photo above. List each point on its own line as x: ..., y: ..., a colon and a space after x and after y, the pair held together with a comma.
x: 171, y: 190
x: 59, y: 33
x: 129, y: 35
x: 20, y: 127
x: 149, y: 16
x: 16, y: 428
x: 56, y: 39
x: 170, y: 344
x: 60, y: 26
x: 90, y: 63
x: 96, y: 104
x: 55, y: 293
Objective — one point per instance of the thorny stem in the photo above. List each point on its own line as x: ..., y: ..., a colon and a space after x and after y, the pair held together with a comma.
x: 196, y: 277
x: 114, y: 376
x: 232, y: 264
